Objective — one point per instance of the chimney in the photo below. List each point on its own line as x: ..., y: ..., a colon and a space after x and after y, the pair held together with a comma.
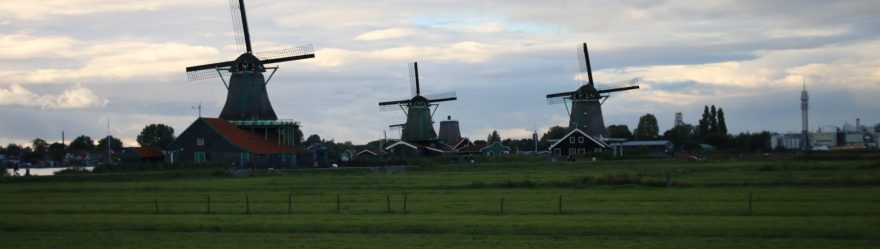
x: 858, y: 124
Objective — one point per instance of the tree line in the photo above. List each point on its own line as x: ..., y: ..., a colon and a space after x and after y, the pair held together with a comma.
x: 711, y: 130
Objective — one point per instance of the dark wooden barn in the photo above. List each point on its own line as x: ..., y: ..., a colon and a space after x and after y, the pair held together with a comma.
x: 577, y: 142
x: 214, y: 140
x: 142, y: 154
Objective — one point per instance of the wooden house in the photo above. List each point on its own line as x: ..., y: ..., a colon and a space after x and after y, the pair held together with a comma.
x: 214, y: 140
x: 577, y: 142
x: 495, y: 149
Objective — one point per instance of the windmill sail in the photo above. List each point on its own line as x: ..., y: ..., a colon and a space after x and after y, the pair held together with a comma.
x: 247, y: 97
x: 288, y: 54
x: 586, y: 101
x: 419, y: 126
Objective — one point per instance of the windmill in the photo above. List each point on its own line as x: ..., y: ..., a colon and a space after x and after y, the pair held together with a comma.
x: 419, y: 126
x: 247, y: 97
x: 587, y: 100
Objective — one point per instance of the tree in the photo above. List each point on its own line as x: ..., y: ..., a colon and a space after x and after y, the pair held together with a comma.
x: 115, y: 144
x: 493, y: 137
x: 56, y: 151
x: 13, y: 150
x: 555, y: 132
x: 704, y: 122
x: 297, y: 136
x: 82, y: 142
x: 313, y: 139
x: 40, y: 147
x: 480, y: 143
x: 619, y: 131
x: 647, y: 129
x: 713, y: 120
x: 158, y: 136
x: 722, y: 125
x: 682, y: 136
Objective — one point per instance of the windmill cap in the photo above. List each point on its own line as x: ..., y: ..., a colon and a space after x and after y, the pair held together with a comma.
x: 247, y: 62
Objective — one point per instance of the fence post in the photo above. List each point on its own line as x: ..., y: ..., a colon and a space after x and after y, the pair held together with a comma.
x: 157, y: 206
x: 247, y: 204
x: 750, y: 203
x: 668, y: 179
x: 388, y: 201
x: 404, y: 203
x: 289, y: 203
x: 337, y: 203
x: 502, y: 205
x: 560, y: 204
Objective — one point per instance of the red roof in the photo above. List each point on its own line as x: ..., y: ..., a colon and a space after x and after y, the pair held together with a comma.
x: 454, y: 143
x: 472, y: 149
x: 148, y: 152
x: 248, y: 141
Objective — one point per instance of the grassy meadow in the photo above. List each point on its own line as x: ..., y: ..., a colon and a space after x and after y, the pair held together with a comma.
x: 605, y: 204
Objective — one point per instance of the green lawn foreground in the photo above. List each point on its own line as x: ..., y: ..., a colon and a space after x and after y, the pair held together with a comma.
x: 609, y: 204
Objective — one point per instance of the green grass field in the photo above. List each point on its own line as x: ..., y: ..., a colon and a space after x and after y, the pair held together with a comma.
x: 610, y: 204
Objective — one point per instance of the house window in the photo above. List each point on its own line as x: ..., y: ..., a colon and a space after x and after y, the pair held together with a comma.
x: 489, y: 153
x: 572, y: 151
x: 245, y: 158
x: 200, y: 141
x: 581, y: 140
x: 200, y: 157
x: 571, y: 140
x: 582, y: 151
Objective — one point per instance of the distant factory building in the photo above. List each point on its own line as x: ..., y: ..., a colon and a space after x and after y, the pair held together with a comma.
x: 790, y: 141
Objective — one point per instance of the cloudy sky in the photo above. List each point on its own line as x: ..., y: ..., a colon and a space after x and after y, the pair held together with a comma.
x: 73, y: 65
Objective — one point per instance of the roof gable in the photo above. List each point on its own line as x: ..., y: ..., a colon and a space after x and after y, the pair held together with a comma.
x: 495, y: 146
x: 413, y: 146
x: 579, y: 131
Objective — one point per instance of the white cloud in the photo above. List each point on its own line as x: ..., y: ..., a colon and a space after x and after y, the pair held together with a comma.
x: 39, y: 10
x: 74, y: 97
x: 385, y: 34
x: 25, y: 46
x: 463, y: 52
x: 108, y: 60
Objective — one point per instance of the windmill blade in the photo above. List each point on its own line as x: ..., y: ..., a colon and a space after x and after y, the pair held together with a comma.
x: 207, y: 74
x: 562, y: 94
x: 395, y: 127
x: 582, y: 64
x: 288, y: 54
x: 440, y: 97
x: 619, y: 86
x: 414, y: 79
x: 389, y: 108
x: 556, y: 100
x: 207, y: 71
x: 586, y: 72
x: 393, y: 102
x: 239, y: 26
